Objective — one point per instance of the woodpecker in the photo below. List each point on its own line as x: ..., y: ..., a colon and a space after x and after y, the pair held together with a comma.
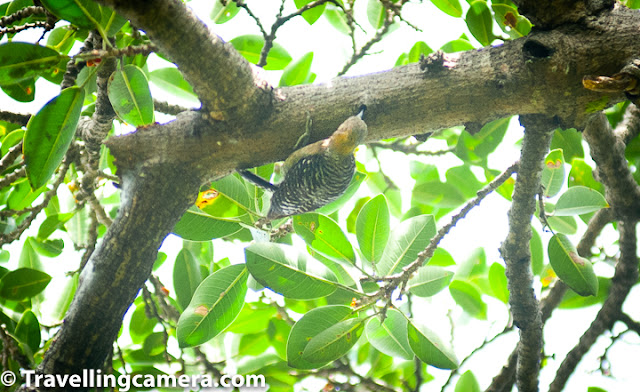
x: 316, y: 174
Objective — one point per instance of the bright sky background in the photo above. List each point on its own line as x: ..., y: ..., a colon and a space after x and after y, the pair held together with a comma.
x: 485, y: 226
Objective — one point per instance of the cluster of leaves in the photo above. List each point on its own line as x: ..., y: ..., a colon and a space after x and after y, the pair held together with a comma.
x: 335, y: 303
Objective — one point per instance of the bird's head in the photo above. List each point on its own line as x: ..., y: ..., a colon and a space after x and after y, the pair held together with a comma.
x: 348, y: 136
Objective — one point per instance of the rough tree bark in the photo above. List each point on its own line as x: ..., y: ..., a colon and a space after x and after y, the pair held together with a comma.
x: 244, y: 123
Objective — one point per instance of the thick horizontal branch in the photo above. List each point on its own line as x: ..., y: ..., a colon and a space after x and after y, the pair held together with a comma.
x: 531, y: 75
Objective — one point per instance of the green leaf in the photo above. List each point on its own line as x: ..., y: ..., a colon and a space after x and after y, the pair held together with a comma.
x: 227, y: 199
x: 418, y: 49
x: 23, y: 91
x: 553, y: 173
x: 429, y: 348
x: 429, y: 281
x: 571, y: 300
x: 290, y: 273
x: 582, y: 174
x: 324, y: 235
x: 28, y: 330
x: 186, y: 277
x: 463, y: 179
x: 449, y: 7
x: 250, y: 47
x: 21, y: 61
x: 140, y: 326
x: 312, y: 324
x: 334, y: 342
x: 111, y: 21
x: 49, y: 134
x: 480, y: 22
x: 467, y: 383
x: 197, y: 225
x: 223, y: 13
x: 537, y: 252
x: 23, y: 283
x: 337, y: 19
x: 457, y: 45
x: 498, y: 282
x: 297, y: 72
x: 130, y: 96
x: 563, y: 224
x: 313, y: 14
x: 569, y: 141
x: 407, y: 240
x: 468, y: 297
x: 437, y: 194
x: 475, y: 148
x: 81, y: 13
x: 52, y: 223
x: 253, y: 318
x: 376, y: 14
x: 154, y: 344
x: 170, y: 80
x: 215, y: 304
x: 579, y: 200
x: 575, y: 271
x: 390, y: 337
x: 372, y: 228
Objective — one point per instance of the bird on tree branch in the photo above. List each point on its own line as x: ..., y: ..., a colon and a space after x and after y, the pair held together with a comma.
x: 316, y: 174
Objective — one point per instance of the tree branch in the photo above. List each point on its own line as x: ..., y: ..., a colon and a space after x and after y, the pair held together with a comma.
x: 516, y: 253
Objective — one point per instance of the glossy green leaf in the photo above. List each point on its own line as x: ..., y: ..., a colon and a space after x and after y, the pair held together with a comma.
x: 12, y: 137
x: 52, y: 223
x: 297, y: 72
x: 334, y: 342
x: 253, y: 318
x: 563, y: 224
x: 510, y: 20
x: 437, y: 194
x: 498, y: 282
x: 463, y: 179
x: 28, y: 330
x: 312, y: 324
x: 429, y: 281
x: 186, y: 277
x: 141, y: 326
x: 228, y: 199
x: 21, y: 61
x: 337, y: 19
x: 468, y: 297
x: 223, y: 13
x: 170, y: 80
x: 579, y: 200
x: 572, y: 300
x: 449, y: 7
x: 441, y: 258
x: 467, y: 383
x: 81, y: 13
x: 29, y: 258
x: 290, y: 273
x: 111, y: 21
x: 418, y: 49
x: 23, y: 91
x: 49, y: 134
x: 324, y: 235
x: 154, y: 344
x: 480, y: 22
x: 376, y: 14
x: 475, y: 148
x: 250, y: 47
x: 407, y: 240
x: 390, y: 337
x: 130, y: 96
x: 215, y: 304
x: 575, y: 271
x: 429, y: 348
x: 372, y: 228
x: 570, y: 142
x: 537, y: 252
x: 313, y: 14
x: 582, y: 174
x: 553, y: 174
x: 48, y: 248
x: 197, y: 225
x: 23, y: 283
x: 457, y: 45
